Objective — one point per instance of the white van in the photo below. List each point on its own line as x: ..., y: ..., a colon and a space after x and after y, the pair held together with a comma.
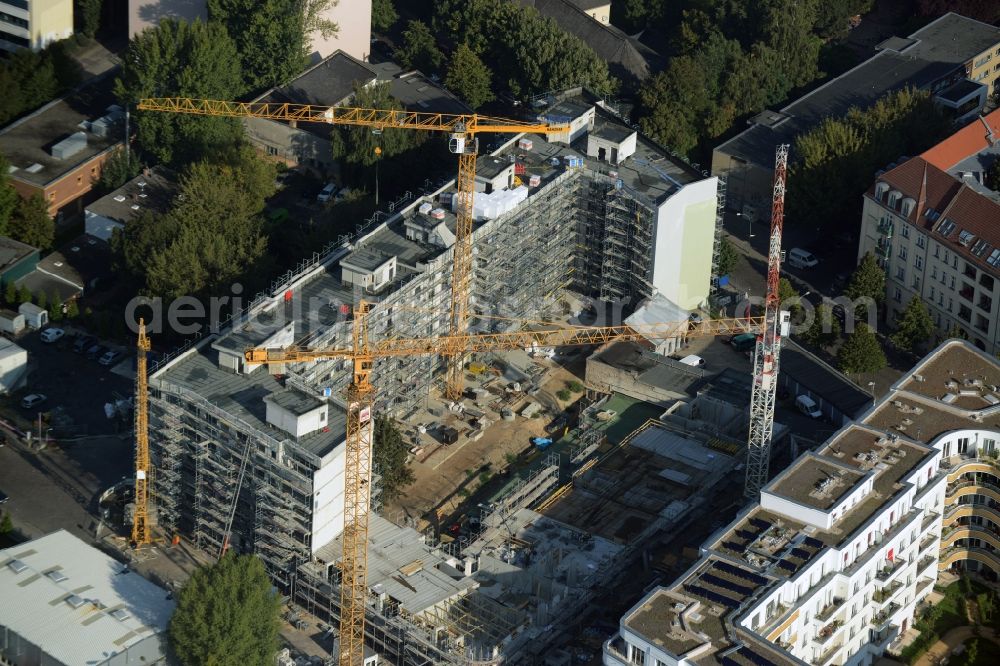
x: 808, y: 406
x: 799, y: 258
x: 326, y: 193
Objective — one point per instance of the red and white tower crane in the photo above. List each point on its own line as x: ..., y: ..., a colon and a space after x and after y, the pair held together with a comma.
x: 766, y: 355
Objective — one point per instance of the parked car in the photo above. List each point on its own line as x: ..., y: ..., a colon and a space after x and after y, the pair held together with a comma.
x: 3, y: 497
x: 326, y: 193
x: 799, y: 258
x: 96, y: 351
x: 50, y: 335
x: 808, y: 406
x: 83, y: 343
x: 109, y: 357
x: 33, y: 400
x: 743, y: 342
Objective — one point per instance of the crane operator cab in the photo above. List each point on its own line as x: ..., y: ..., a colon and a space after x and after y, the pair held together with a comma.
x: 459, y: 144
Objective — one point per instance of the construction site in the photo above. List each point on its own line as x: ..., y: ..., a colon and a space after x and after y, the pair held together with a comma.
x: 247, y: 427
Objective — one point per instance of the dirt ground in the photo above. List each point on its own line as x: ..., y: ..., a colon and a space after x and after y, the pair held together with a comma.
x: 444, y: 474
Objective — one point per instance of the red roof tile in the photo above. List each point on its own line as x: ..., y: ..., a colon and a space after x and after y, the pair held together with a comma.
x: 969, y: 210
x: 968, y: 141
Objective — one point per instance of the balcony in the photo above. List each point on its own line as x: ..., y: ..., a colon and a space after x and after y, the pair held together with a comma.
x: 985, y: 303
x: 928, y: 541
x: 824, y: 635
x: 929, y: 520
x: 882, y: 617
x: 884, y: 227
x: 827, y: 612
x: 925, y: 562
x: 883, y: 595
x: 828, y: 653
x: 923, y: 584
x: 890, y: 569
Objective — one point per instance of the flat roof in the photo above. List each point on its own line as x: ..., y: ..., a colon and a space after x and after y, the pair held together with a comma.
x: 242, y: 395
x: 153, y: 191
x: 931, y: 53
x: 615, y: 133
x: 28, y: 141
x: 823, y: 380
x: 294, y: 401
x: 814, y: 482
x: 12, y: 252
x: 366, y: 260
x: 329, y: 82
x: 79, y: 605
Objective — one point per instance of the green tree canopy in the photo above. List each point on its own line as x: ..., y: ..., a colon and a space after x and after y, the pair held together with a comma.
x: 914, y: 327
x: 272, y: 36
x: 469, y: 78
x: 228, y: 614
x: 211, y: 237
x: 356, y: 145
x: 29, y: 79
x: 88, y: 16
x: 861, y: 352
x: 389, y: 451
x: 834, y: 162
x: 8, y: 196
x: 824, y: 329
x: 32, y: 224
x: 728, y: 256
x: 177, y: 58
x: 527, y: 52
x: 419, y: 49
x: 119, y: 168
x: 384, y: 15
x: 867, y: 283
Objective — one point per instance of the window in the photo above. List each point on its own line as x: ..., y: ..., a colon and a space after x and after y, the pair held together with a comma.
x: 963, y: 444
x: 932, y: 293
x: 985, y: 281
x: 902, y: 252
x: 965, y: 313
x: 916, y: 282
x: 966, y: 292
x: 920, y: 240
x: 905, y: 231
x: 952, y: 282
x: 969, y: 271
x: 946, y: 227
x: 901, y: 274
x: 937, y: 251
x: 982, y: 323
x: 985, y: 303
x: 918, y: 261
x: 898, y: 296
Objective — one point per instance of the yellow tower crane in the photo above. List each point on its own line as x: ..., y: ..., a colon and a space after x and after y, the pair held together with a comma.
x: 141, y: 528
x: 463, y: 131
x: 360, y: 398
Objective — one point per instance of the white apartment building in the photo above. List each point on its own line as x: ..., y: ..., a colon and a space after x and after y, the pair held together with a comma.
x: 934, y: 226
x: 829, y: 567
x: 34, y: 24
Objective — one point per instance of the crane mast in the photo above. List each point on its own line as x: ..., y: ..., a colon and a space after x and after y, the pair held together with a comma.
x: 141, y: 533
x: 768, y: 349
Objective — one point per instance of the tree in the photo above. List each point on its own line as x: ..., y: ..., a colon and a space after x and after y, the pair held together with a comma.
x: 728, y: 257
x: 121, y: 167
x: 956, y: 332
x: 42, y: 300
x: 914, y: 326
x: 866, y: 286
x: 88, y: 16
x: 31, y: 79
x: 228, y: 614
x: 272, y: 36
x: 861, y: 352
x: 992, y: 179
x: 469, y: 78
x: 6, y: 525
x: 824, y: 329
x: 55, y: 307
x: 183, y: 59
x: 419, y: 51
x: 8, y: 196
x: 383, y: 15
x: 72, y: 309
x: 356, y: 145
x: 389, y: 452
x: 23, y: 294
x: 10, y: 293
x: 32, y: 224
x: 790, y: 298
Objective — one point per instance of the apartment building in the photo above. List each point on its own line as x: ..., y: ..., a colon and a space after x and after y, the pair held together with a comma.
x: 954, y: 57
x: 352, y: 17
x: 34, y: 24
x: 843, y: 547
x: 932, y: 222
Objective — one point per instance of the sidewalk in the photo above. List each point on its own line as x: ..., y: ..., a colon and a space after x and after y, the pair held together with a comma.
x: 944, y: 647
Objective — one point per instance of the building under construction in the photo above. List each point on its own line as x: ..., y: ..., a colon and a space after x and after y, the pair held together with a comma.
x: 255, y: 461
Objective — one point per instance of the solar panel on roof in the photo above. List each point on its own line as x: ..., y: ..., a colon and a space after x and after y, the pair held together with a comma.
x: 801, y: 554
x: 812, y: 542
x: 760, y: 522
x: 727, y: 585
x: 785, y: 564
